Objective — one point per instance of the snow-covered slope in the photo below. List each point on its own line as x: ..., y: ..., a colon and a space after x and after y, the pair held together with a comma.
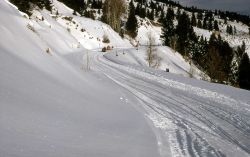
x: 171, y: 60
x: 51, y: 105
x: 233, y: 40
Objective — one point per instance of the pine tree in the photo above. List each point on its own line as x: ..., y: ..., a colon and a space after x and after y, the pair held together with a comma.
x: 148, y: 13
x: 225, y: 20
x: 199, y: 25
x: 138, y: 9
x: 229, y: 29
x: 76, y: 5
x: 143, y: 12
x: 182, y: 31
x: 241, y: 50
x: 178, y: 14
x: 156, y: 13
x: 200, y: 51
x: 200, y: 16
x: 152, y: 15
x: 168, y: 28
x: 131, y: 24
x: 162, y: 16
x: 210, y: 24
x: 205, y: 23
x: 235, y: 30
x: 219, y: 58
x: 244, y: 72
x: 27, y: 6
x: 193, y: 20
x: 216, y: 26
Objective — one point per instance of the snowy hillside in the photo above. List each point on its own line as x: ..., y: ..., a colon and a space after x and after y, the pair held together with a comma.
x: 61, y: 97
x: 48, y: 107
x: 233, y: 40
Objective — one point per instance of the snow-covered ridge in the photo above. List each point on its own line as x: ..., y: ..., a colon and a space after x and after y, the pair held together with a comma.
x: 52, y: 104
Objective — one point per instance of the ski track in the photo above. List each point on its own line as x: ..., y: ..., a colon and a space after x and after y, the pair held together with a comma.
x: 189, y: 121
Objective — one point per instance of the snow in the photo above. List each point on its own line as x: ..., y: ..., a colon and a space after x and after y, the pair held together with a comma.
x: 233, y: 40
x: 196, y: 118
x: 170, y: 60
x: 145, y: 28
x: 49, y: 107
x: 52, y: 105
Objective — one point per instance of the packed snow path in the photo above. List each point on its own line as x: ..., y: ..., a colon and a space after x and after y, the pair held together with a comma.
x: 187, y: 120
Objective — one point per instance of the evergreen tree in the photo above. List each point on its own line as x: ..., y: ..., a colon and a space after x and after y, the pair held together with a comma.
x: 182, y: 31
x: 162, y: 16
x: 168, y: 28
x: 218, y: 59
x: 178, y: 14
x: 200, y: 51
x: 138, y: 9
x: 235, y: 31
x: 152, y: 15
x: 234, y: 79
x: 143, y: 12
x: 27, y: 6
x: 77, y: 5
x: 200, y: 16
x: 244, y: 72
x: 225, y: 20
x: 229, y: 29
x: 199, y: 25
x: 241, y: 50
x: 96, y: 4
x: 205, y: 23
x: 131, y: 24
x: 193, y: 20
x: 210, y: 24
x: 156, y: 13
x: 216, y: 26
x: 148, y: 13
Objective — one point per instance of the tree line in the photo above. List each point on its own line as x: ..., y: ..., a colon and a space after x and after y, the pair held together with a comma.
x: 215, y: 57
x: 27, y: 6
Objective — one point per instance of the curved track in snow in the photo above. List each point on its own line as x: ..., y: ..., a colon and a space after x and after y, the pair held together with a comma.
x: 187, y: 120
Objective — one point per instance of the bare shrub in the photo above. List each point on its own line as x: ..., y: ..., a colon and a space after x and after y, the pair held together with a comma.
x: 153, y: 58
x: 30, y: 27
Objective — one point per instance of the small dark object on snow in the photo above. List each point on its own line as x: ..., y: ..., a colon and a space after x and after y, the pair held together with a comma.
x: 167, y: 70
x: 104, y: 49
x: 109, y: 48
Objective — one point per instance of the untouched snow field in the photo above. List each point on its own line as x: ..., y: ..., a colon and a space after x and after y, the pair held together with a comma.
x: 52, y: 105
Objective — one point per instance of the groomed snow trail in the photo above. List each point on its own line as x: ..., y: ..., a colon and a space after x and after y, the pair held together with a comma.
x: 187, y: 120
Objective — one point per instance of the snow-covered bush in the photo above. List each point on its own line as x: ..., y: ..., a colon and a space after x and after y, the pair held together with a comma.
x: 105, y: 39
